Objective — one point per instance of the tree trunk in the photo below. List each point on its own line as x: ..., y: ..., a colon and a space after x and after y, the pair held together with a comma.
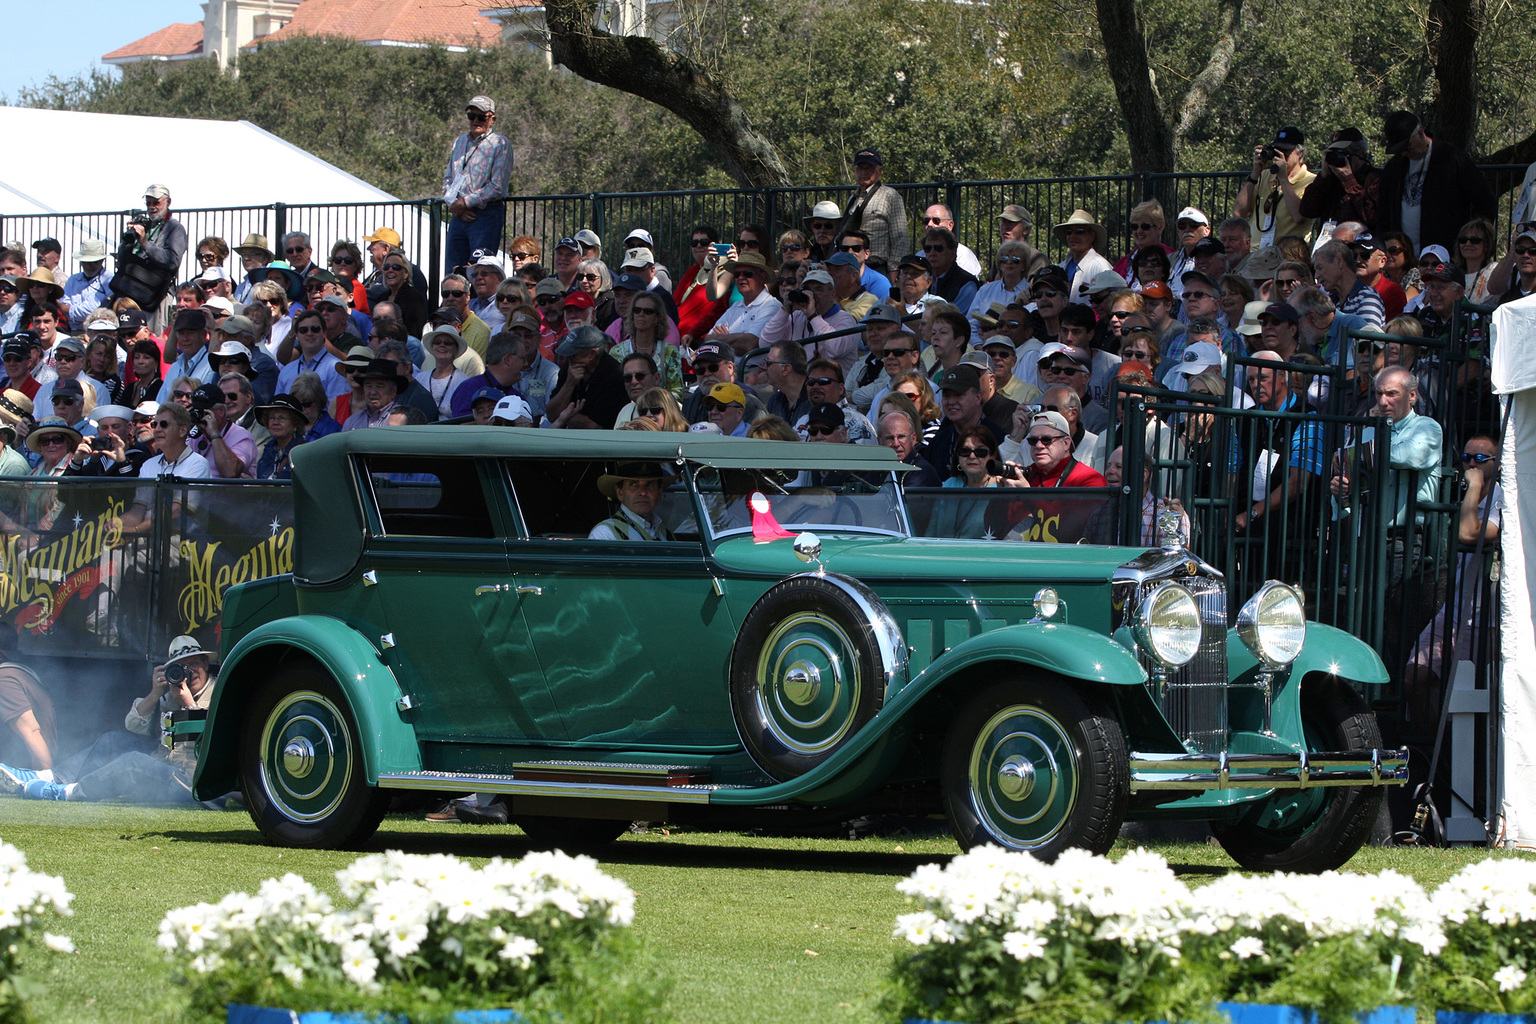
x: 1451, y: 34
x: 1214, y: 75
x: 1125, y: 52
x: 1522, y: 152
x: 638, y: 65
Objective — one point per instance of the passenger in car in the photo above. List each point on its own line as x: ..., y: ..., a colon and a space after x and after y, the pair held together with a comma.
x: 636, y: 486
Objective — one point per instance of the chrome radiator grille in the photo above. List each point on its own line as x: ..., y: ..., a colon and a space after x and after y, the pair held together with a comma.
x: 1194, y: 697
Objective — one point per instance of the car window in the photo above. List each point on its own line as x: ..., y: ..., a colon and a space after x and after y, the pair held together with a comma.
x: 429, y: 496
x: 828, y: 499
x: 560, y: 499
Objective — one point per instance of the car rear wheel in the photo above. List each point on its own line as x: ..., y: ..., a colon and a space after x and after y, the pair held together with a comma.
x: 301, y: 768
x: 1311, y: 830
x: 1032, y: 764
x: 809, y: 670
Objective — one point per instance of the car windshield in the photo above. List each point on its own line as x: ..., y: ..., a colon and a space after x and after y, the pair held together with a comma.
x: 826, y: 500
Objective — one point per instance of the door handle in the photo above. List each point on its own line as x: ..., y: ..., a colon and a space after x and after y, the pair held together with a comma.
x: 494, y: 588
x: 535, y: 591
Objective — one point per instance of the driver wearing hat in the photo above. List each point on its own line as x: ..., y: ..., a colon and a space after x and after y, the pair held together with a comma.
x: 637, y: 487
x: 382, y: 384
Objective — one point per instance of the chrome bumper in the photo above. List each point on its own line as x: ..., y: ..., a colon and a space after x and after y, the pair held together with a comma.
x: 1268, y: 771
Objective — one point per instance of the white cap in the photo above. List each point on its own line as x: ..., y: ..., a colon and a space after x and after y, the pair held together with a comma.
x: 705, y: 427
x: 1190, y: 213
x: 1199, y: 357
x: 231, y: 347
x: 826, y: 210
x: 640, y: 233
x: 586, y: 236
x: 147, y: 408
x: 1250, y: 323
x: 512, y: 407
x: 107, y: 412
x: 101, y: 324
x: 221, y: 304
x: 214, y: 274
x: 820, y: 276
x: 638, y: 258
x: 1438, y: 250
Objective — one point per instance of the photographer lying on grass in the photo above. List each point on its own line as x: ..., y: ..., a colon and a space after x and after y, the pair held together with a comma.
x: 118, y: 766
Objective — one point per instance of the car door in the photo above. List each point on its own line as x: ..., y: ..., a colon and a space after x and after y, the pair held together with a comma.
x: 634, y: 637
x: 460, y: 643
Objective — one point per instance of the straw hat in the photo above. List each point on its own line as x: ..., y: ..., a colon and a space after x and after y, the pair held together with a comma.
x: 1082, y: 218
x: 42, y: 275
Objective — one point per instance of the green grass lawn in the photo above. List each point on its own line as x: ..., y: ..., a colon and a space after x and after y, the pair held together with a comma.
x: 754, y: 930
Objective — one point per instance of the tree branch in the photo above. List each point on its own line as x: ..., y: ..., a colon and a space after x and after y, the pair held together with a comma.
x: 1522, y: 152
x: 1452, y: 31
x: 640, y: 66
x: 1214, y: 75
x: 1125, y: 52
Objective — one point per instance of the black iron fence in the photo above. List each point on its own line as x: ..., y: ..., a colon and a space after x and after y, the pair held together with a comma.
x: 671, y: 216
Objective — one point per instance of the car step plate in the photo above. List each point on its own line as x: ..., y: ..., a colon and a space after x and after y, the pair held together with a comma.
x: 666, y: 775
x: 590, y: 780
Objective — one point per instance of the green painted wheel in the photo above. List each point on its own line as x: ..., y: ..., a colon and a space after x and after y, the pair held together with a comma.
x: 811, y: 666
x: 1032, y: 765
x: 300, y: 767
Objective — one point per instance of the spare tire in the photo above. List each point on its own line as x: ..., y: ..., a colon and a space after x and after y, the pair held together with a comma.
x: 812, y: 664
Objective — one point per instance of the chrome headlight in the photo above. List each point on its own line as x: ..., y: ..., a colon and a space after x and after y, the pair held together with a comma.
x: 1169, y: 625
x: 1273, y: 624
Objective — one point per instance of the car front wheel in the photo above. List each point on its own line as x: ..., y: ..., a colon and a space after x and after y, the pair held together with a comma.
x: 1032, y: 764
x: 300, y: 765
x: 1319, y: 829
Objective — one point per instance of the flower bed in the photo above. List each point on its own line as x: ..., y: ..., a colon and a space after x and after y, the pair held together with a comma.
x: 27, y: 899
x: 422, y: 936
x: 1004, y: 937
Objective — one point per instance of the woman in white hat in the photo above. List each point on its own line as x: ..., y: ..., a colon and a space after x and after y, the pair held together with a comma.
x: 1085, y: 239
x: 55, y: 441
x: 445, y: 345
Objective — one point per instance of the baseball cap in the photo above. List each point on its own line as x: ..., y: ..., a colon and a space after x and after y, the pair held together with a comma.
x: 68, y: 344
x: 586, y: 236
x: 214, y: 274
x: 188, y: 320
x: 1444, y: 272
x: 977, y: 358
x: 47, y: 245
x: 1198, y: 275
x: 709, y: 350
x: 704, y: 427
x: 1108, y: 281
x: 960, y: 378
x: 1282, y: 311
x: 568, y: 243
x: 132, y: 320
x: 16, y: 347
x: 883, y: 313
x: 490, y: 261
x: 1397, y: 129
x: 1289, y: 137
x: 1366, y: 241
x: 841, y: 259
x: 827, y: 413
x: 237, y: 325
x: 549, y: 286
x: 512, y: 407
x: 641, y: 257
x: 1133, y: 366
x: 643, y: 235
x: 1437, y: 251
x: 389, y: 236
x: 156, y: 192
x: 1054, y: 420
x: 1077, y: 355
x: 1210, y: 245
x: 582, y: 338
x: 482, y: 103
x: 917, y: 260
x: 1017, y: 215
x: 632, y: 282
x: 67, y: 387
x: 1199, y: 357
x: 819, y: 276
x: 331, y: 300
x: 226, y: 307
x: 727, y: 394
x: 868, y: 156
x: 101, y: 323
x: 579, y: 299
x: 1190, y: 213
x: 486, y: 395
x: 1156, y: 290
x: 523, y: 318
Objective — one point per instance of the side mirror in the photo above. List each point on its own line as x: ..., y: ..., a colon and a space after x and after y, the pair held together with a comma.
x: 808, y: 547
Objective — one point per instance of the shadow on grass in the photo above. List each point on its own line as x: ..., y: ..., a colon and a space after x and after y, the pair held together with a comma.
x: 682, y: 851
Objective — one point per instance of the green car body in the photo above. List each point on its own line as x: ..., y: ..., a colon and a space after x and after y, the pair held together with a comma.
x: 482, y: 643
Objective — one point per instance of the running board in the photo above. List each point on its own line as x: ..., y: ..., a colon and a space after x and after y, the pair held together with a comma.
x: 1268, y: 771
x: 673, y: 784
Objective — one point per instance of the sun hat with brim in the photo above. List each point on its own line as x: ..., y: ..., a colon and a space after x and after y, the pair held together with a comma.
x: 13, y: 406
x: 749, y: 261
x: 1263, y: 263
x: 358, y: 357
x: 52, y: 428
x: 229, y: 348
x: 1250, y: 324
x: 42, y: 275
x: 824, y: 210
x: 447, y: 332
x: 293, y: 282
x: 108, y: 412
x: 1082, y: 218
x: 91, y: 251
x: 282, y: 403
x: 608, y: 483
x: 184, y: 647
x: 256, y: 246
x: 386, y: 370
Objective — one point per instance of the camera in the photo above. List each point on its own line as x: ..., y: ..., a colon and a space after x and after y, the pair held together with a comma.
x: 177, y: 673
x: 996, y: 467
x: 202, y: 408
x: 141, y: 218
x: 798, y: 297
x: 1336, y: 157
x: 1268, y: 154
x: 101, y: 444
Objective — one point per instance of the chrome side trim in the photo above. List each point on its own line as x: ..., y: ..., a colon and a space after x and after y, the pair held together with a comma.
x: 573, y: 790
x: 1268, y: 771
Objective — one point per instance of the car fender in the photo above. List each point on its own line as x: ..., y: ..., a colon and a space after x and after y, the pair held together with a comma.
x: 385, y: 737
x: 1069, y: 651
x: 1327, y: 652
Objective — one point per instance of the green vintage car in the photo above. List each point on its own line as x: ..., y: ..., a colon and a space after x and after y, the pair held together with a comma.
x: 450, y: 627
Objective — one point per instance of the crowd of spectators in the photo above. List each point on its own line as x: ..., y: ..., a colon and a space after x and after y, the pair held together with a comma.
x: 980, y: 369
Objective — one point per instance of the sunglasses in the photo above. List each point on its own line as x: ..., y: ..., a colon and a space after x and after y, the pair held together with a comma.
x: 1393, y: 250
x: 207, y: 257
x: 522, y: 255
x: 508, y: 298
x: 1525, y: 251
x: 975, y: 453
x: 822, y: 381
x: 748, y: 243
x: 163, y: 424
x: 697, y: 243
x: 820, y: 431
x: 1286, y: 282
x: 1198, y: 295
x: 394, y: 266
x: 1188, y: 225
x: 899, y: 351
x: 181, y: 394
x: 7, y: 289
x: 1010, y: 259
x: 1065, y: 371
x: 1121, y: 314
x: 637, y: 376
x: 296, y: 249
x: 1466, y: 457
x: 456, y: 293
x: 1079, y: 231
x: 47, y: 441
x: 1370, y: 346
x: 649, y: 410
x: 67, y: 400
x: 590, y: 277
x: 638, y: 310
x: 477, y: 117
x: 1041, y: 441
x: 821, y: 225
x: 750, y: 275
x: 66, y: 357
x: 852, y: 248
x: 1470, y: 240
x: 790, y: 247
x: 712, y: 405
x: 1144, y: 227
x: 941, y: 247
x: 13, y: 359
x: 1047, y: 293
x: 309, y: 330
x: 344, y: 260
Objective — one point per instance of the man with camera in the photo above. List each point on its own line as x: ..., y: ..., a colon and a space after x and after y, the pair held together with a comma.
x: 150, y: 252
x: 229, y: 448
x: 1271, y: 196
x: 1348, y: 187
x: 117, y: 766
x: 113, y: 451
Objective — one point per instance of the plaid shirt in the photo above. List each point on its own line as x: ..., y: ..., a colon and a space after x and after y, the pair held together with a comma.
x: 482, y: 169
x: 884, y: 219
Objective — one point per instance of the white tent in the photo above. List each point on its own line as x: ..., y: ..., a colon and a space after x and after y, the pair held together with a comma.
x: 1514, y: 377
x: 233, y: 170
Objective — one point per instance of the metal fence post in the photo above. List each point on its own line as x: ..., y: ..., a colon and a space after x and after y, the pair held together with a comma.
x: 279, y: 227
x: 771, y: 213
x: 599, y: 214
x: 434, y: 250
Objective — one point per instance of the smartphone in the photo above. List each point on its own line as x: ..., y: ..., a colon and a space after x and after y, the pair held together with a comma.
x: 722, y: 248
